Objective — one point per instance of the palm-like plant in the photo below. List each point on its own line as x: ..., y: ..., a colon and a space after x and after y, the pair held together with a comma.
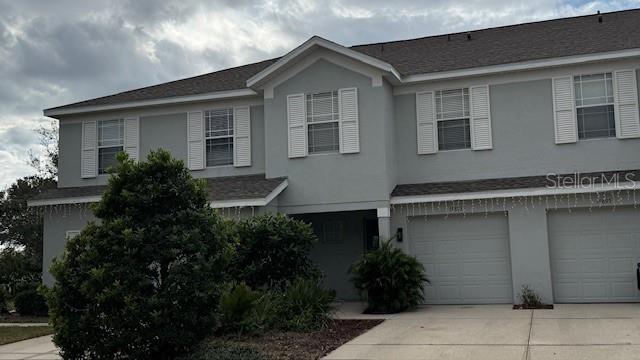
x: 390, y: 280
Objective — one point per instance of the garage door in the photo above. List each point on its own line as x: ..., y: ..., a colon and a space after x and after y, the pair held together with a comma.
x: 466, y: 258
x: 594, y: 254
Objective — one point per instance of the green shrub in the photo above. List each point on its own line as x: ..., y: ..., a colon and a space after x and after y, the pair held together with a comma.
x: 305, y: 305
x: 390, y: 280
x: 237, y: 305
x: 226, y: 350
x: 529, y: 298
x: 273, y: 250
x: 144, y: 282
x: 18, y: 271
x: 30, y: 302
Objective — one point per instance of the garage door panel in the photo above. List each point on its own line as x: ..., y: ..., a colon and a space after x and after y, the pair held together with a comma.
x: 594, y: 255
x: 466, y: 258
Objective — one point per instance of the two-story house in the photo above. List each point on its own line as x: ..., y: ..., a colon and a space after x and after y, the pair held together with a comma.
x: 448, y: 144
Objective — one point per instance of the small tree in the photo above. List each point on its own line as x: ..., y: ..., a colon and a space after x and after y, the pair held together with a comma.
x: 273, y: 250
x: 142, y: 283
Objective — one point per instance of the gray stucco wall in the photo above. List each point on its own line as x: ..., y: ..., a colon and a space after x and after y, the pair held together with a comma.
x: 57, y: 221
x: 523, y: 142
x: 167, y: 131
x: 331, y: 178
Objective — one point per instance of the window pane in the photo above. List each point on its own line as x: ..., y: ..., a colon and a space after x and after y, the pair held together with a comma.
x: 107, y: 158
x: 452, y: 104
x: 596, y: 89
x: 218, y: 122
x: 454, y: 134
x: 322, y: 106
x: 111, y: 132
x: 323, y: 137
x: 596, y: 122
x: 220, y: 151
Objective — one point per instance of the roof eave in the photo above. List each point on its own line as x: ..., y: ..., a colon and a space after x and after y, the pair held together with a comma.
x: 523, y: 66
x: 218, y: 95
x: 510, y: 193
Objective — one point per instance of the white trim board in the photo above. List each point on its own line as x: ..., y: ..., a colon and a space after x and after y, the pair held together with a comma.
x: 65, y: 201
x: 499, y: 194
x: 153, y: 102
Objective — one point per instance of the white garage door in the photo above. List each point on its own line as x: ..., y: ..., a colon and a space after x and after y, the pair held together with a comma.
x: 466, y: 258
x: 594, y: 254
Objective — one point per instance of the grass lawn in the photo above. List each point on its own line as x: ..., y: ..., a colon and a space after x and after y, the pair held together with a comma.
x: 9, y: 334
x: 23, y: 319
x: 287, y: 345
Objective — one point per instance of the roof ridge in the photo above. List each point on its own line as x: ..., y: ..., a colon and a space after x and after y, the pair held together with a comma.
x: 494, y: 27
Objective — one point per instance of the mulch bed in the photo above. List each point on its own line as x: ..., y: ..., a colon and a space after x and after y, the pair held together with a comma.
x: 541, y: 307
x: 310, y: 345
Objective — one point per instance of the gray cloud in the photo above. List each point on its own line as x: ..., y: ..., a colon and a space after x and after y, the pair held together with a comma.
x: 57, y: 52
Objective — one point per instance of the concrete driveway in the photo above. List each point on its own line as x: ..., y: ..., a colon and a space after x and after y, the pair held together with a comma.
x: 495, y: 332
x: 37, y: 348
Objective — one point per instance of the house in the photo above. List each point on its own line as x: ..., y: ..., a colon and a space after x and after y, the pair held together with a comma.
x: 498, y: 157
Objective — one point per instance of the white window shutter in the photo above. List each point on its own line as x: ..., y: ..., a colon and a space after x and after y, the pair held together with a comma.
x: 132, y: 137
x: 480, y: 118
x: 566, y: 125
x: 195, y: 140
x: 242, y: 136
x: 349, y: 125
x: 426, y: 123
x: 626, y: 104
x: 297, y: 124
x: 89, y: 151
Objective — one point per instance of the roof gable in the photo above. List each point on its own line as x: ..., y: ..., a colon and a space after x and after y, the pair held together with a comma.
x: 283, y: 63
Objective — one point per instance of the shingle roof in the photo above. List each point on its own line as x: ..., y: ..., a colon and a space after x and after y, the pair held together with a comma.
x: 525, y: 182
x: 494, y: 46
x: 221, y: 188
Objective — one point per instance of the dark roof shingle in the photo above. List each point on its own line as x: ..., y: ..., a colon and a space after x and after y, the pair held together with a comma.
x: 221, y: 188
x: 494, y: 46
x: 524, y: 182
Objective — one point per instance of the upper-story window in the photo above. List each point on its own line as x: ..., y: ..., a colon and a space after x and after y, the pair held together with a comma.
x: 323, y: 122
x: 219, y: 136
x: 594, y: 106
x: 110, y: 142
x: 452, y: 115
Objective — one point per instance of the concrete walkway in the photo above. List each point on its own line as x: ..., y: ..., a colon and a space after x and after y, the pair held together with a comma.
x: 495, y: 332
x: 40, y: 348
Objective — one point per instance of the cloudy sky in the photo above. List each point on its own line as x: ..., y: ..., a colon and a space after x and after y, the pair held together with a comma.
x: 57, y: 52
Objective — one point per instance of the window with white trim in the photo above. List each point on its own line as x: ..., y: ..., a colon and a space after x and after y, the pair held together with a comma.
x: 219, y: 137
x: 594, y: 106
x: 323, y: 122
x: 110, y: 143
x: 452, y: 116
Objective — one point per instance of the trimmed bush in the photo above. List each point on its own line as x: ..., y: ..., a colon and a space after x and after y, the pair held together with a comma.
x: 145, y: 281
x: 272, y: 250
x: 30, y: 302
x: 390, y: 280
